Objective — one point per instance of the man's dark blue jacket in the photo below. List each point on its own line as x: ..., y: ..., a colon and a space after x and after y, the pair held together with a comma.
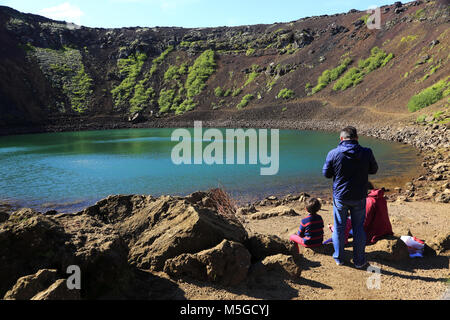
x: 350, y: 165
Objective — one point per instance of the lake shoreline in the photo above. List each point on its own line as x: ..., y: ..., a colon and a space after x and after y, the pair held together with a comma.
x: 431, y: 142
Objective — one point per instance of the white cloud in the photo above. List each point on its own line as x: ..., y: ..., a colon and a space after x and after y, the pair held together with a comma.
x: 64, y: 11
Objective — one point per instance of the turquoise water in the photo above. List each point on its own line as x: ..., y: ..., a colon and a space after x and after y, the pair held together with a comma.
x: 68, y: 171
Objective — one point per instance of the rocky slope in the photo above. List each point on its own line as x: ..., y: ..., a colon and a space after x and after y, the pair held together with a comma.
x: 58, y: 76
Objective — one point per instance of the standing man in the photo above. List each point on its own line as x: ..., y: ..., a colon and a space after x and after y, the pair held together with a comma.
x: 349, y: 165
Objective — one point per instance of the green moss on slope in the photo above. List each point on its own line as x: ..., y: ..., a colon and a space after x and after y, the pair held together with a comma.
x: 378, y: 58
x: 129, y: 68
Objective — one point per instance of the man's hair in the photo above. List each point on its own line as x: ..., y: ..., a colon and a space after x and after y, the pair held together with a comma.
x: 313, y: 205
x: 349, y: 133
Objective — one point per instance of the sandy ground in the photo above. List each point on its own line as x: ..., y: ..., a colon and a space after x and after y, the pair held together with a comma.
x: 426, y: 278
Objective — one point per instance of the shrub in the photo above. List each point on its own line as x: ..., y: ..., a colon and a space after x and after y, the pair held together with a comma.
x: 430, y: 95
x: 285, y: 94
x: 28, y: 47
x: 171, y: 73
x: 130, y: 68
x: 141, y: 97
x: 330, y: 75
x: 250, y: 52
x: 157, y: 61
x: 245, y: 101
x: 219, y: 92
x: 408, y: 38
x: 378, y: 58
x: 421, y: 118
x: 186, y: 106
x: 251, y: 77
x: 165, y: 100
x: 199, y: 73
x: 80, y: 91
x: 236, y: 92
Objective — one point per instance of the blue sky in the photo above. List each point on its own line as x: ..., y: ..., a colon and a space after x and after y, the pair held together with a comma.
x: 184, y: 13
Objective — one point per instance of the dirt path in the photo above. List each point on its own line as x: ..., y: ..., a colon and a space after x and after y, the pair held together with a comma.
x: 426, y: 278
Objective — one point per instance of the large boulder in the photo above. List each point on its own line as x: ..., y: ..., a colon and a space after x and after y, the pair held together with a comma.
x: 440, y: 243
x: 28, y: 286
x: 226, y: 264
x: 163, y: 228
x: 390, y: 249
x: 263, y: 245
x: 276, y: 266
x: 58, y: 291
x: 101, y: 254
x: 112, y: 239
x: 30, y: 243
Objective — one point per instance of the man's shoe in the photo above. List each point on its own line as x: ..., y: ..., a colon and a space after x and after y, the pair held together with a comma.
x: 339, y: 263
x: 363, y: 266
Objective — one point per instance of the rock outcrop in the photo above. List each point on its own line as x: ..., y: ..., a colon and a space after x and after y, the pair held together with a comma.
x: 261, y: 246
x: 226, y: 264
x: 58, y: 291
x: 159, y: 229
x: 113, y: 239
x: 389, y: 249
x: 27, y: 287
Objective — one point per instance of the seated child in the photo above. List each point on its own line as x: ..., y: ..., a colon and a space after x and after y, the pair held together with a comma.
x: 348, y: 231
x: 310, y: 233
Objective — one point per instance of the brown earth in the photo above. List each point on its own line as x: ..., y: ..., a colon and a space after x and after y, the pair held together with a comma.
x: 410, y: 279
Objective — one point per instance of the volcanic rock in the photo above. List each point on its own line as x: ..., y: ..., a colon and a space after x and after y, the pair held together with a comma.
x: 28, y: 286
x: 391, y: 249
x: 226, y: 264
x: 58, y: 291
x: 261, y: 246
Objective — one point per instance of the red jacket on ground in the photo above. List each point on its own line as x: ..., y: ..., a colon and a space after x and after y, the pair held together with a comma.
x: 377, y: 224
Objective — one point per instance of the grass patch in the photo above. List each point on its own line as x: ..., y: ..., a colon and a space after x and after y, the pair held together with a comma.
x: 408, y: 38
x: 130, y: 68
x: 430, y: 95
x: 365, y: 18
x: 219, y: 92
x: 142, y: 97
x: 286, y: 94
x: 421, y: 119
x: 236, y: 92
x: 80, y: 90
x: 251, y: 77
x: 204, y: 66
x: 28, y: 47
x: 250, y: 52
x: 419, y: 13
x: 165, y: 100
x: 159, y: 60
x: 378, y: 58
x: 330, y: 75
x: 185, y: 106
x: 245, y: 101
